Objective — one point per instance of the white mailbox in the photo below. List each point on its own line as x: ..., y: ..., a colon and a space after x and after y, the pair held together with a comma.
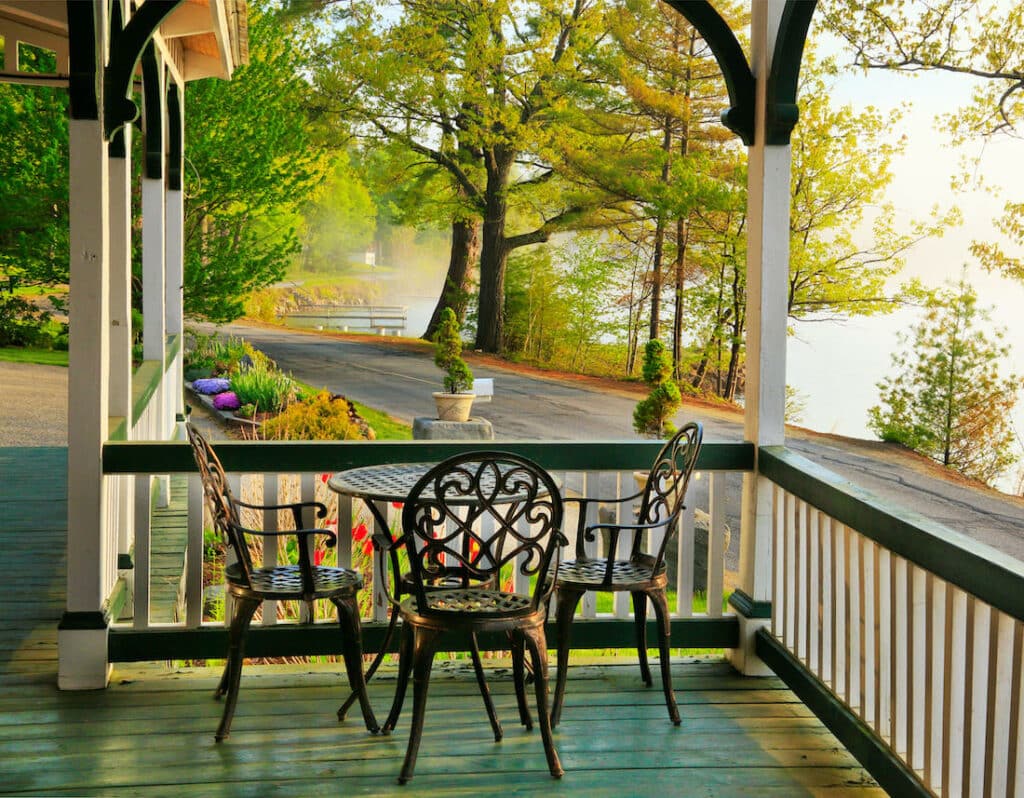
x: 484, y: 389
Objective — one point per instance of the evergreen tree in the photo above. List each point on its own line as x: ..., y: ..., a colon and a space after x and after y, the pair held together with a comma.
x: 947, y: 399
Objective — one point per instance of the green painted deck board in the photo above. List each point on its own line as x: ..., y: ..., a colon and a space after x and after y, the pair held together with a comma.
x: 151, y: 732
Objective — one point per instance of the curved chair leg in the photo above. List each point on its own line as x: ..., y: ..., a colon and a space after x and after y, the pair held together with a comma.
x: 424, y: 645
x: 485, y: 693
x: 519, y: 679
x: 223, y: 686
x: 245, y: 608
x: 352, y: 650
x: 402, y: 682
x: 392, y: 624
x: 535, y: 639
x: 640, y: 622
x: 568, y: 598
x: 660, y: 602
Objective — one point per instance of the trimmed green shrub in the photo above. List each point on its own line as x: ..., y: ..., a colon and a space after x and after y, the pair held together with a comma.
x: 448, y: 354
x: 652, y: 415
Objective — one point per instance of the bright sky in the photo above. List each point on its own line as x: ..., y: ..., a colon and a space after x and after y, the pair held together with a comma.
x: 837, y: 365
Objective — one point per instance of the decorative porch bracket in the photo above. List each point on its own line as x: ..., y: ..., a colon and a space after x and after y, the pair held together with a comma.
x: 153, y: 119
x: 782, y: 111
x: 174, y: 139
x: 126, y: 48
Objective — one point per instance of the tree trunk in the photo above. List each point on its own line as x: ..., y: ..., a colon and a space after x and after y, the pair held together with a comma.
x: 493, y: 253
x: 465, y: 249
x: 682, y: 236
x: 659, y: 248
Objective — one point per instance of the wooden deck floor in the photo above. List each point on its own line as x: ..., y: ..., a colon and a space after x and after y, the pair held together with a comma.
x: 151, y: 732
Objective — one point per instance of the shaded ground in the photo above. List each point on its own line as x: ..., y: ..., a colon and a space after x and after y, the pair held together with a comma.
x: 35, y: 405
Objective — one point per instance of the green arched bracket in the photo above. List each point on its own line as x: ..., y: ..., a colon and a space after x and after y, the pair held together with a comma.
x: 785, y: 75
x: 83, y: 82
x: 126, y: 46
x: 174, y: 138
x: 782, y: 111
x: 739, y: 80
x: 153, y: 97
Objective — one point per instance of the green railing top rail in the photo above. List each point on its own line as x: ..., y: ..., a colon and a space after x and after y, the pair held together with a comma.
x: 994, y: 577
x: 146, y: 457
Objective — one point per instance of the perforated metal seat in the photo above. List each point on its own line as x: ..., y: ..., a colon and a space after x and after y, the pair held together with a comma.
x: 642, y: 573
x: 284, y: 582
x: 249, y: 586
x: 480, y: 603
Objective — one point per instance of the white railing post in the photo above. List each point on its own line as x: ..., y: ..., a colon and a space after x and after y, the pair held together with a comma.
x: 767, y: 280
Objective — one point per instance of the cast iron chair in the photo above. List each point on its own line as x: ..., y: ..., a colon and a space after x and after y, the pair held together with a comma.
x: 250, y: 586
x: 477, y: 516
x: 640, y: 572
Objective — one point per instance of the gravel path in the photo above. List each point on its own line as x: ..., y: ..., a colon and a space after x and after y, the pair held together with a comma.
x: 35, y: 405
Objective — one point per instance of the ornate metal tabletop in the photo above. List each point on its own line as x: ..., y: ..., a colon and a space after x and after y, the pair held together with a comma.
x: 393, y: 482
x: 387, y: 483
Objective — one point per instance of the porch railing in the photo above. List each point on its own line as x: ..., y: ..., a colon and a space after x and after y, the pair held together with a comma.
x: 916, y: 629
x: 276, y: 470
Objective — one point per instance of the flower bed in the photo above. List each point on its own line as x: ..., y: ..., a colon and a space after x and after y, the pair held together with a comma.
x: 244, y: 386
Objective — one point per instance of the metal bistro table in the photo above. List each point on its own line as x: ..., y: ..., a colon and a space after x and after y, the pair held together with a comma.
x: 392, y: 482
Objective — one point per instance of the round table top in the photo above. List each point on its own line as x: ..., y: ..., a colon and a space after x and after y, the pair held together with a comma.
x: 391, y: 482
x: 394, y: 481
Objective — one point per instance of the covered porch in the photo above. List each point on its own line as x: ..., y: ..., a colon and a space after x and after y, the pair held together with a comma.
x: 904, y: 638
x: 150, y: 732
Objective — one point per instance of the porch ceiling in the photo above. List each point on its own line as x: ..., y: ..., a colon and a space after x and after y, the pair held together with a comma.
x: 200, y: 38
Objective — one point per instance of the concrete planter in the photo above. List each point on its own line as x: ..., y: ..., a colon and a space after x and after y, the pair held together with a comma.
x: 453, y: 406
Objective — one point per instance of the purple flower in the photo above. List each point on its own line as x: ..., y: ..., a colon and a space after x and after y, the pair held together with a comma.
x: 226, y: 401
x: 211, y: 385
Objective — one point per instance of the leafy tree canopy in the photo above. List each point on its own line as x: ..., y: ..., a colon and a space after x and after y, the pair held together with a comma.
x: 947, y: 399
x: 252, y: 162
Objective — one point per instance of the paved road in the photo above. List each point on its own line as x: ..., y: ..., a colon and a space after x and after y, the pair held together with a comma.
x: 399, y: 380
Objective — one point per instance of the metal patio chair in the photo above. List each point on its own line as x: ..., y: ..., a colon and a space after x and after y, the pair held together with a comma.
x: 637, y: 570
x: 481, y: 516
x: 249, y: 585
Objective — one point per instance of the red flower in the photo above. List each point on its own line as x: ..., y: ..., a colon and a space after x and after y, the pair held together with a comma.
x: 360, y: 532
x: 325, y: 477
x: 397, y: 505
x: 368, y: 547
x: 318, y: 557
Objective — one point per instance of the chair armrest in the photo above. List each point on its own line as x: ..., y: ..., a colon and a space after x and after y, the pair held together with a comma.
x: 295, y: 507
x: 332, y: 538
x: 614, y: 531
x: 583, y: 501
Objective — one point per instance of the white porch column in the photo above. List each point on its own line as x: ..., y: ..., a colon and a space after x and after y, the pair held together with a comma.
x: 768, y: 199
x: 121, y: 342
x: 82, y: 639
x: 154, y: 216
x: 175, y: 252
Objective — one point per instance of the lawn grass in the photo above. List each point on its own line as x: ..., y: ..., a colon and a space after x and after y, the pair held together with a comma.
x: 386, y: 427
x: 43, y: 357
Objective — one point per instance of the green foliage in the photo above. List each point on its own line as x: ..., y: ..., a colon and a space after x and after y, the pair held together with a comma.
x: 24, y: 324
x: 34, y: 177
x: 252, y: 164
x: 341, y: 222
x: 222, y: 355
x: 262, y: 385
x: 947, y: 399
x: 458, y: 377
x: 652, y: 415
x: 321, y: 418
